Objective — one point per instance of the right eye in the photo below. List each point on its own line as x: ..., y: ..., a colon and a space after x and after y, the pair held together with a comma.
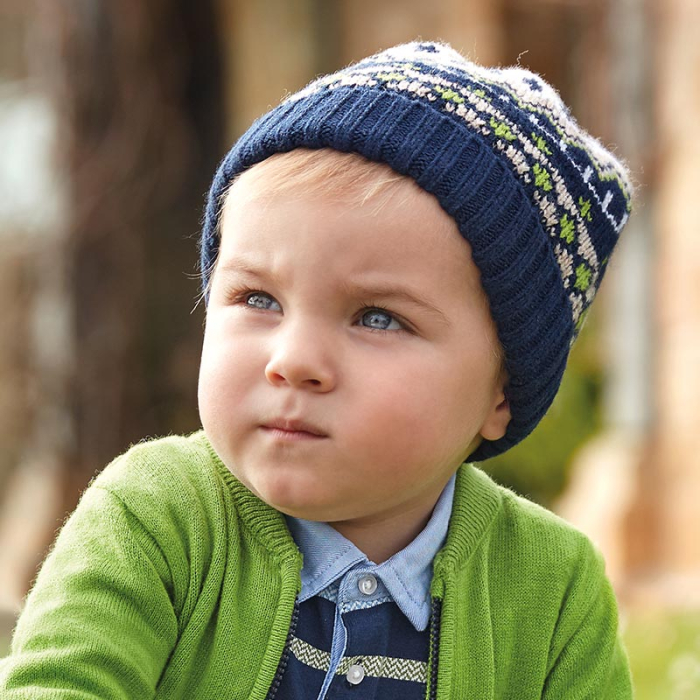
x: 260, y: 300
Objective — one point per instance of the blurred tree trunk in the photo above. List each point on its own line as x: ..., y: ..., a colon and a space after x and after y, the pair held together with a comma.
x: 671, y: 484
x: 137, y: 87
x: 472, y: 27
x: 274, y: 47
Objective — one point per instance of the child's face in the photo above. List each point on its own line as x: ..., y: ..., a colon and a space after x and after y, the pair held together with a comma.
x: 349, y: 361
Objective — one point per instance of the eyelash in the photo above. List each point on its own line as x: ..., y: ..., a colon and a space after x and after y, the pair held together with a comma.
x: 245, y: 294
x: 369, y: 306
x: 242, y: 294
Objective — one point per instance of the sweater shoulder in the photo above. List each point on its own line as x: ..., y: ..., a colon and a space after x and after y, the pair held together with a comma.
x: 173, y: 456
x: 174, y: 477
x: 535, y: 537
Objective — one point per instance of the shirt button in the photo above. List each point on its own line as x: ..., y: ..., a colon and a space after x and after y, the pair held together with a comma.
x: 367, y: 584
x: 355, y: 674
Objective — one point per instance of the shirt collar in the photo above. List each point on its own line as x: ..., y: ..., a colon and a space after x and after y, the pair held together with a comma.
x: 328, y: 556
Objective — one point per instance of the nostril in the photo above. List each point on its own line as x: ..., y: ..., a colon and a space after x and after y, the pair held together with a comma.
x: 275, y: 377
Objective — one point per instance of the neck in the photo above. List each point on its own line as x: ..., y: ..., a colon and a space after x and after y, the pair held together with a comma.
x: 378, y: 539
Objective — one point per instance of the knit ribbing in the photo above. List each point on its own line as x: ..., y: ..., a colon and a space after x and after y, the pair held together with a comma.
x: 265, y: 523
x: 473, y: 509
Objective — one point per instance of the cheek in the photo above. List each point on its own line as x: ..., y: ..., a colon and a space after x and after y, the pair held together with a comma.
x: 209, y: 396
x: 210, y: 371
x: 402, y: 413
x: 228, y: 354
x: 431, y: 410
x: 224, y: 372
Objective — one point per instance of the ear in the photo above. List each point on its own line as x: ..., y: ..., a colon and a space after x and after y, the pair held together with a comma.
x: 497, y: 419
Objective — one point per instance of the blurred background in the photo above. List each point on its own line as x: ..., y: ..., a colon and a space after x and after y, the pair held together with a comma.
x: 113, y: 116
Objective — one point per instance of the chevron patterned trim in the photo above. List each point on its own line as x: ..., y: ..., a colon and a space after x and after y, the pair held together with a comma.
x: 376, y: 666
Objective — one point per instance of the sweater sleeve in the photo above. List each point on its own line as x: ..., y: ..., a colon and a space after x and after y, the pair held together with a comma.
x: 587, y: 659
x: 99, y: 622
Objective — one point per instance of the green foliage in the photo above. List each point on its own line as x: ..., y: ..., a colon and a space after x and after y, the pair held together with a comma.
x: 664, y: 654
x: 539, y: 466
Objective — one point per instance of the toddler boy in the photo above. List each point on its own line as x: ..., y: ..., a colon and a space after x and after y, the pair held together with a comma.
x: 396, y: 261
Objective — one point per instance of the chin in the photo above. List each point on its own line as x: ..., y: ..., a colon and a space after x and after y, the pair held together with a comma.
x: 292, y: 498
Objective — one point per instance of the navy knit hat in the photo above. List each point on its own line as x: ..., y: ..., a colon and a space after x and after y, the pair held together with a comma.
x: 540, y: 201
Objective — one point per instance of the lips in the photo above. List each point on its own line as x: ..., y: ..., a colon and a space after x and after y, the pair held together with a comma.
x: 294, y: 427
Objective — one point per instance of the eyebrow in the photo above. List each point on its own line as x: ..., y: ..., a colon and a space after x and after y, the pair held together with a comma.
x: 393, y: 292
x: 240, y: 265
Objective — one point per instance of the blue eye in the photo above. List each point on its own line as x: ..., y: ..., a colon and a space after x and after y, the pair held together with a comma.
x: 379, y: 320
x: 260, y: 300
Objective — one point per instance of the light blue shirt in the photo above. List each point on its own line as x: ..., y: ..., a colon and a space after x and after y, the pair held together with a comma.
x: 336, y: 569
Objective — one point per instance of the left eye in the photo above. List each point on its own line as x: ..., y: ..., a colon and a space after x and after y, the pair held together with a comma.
x: 260, y: 300
x: 379, y: 320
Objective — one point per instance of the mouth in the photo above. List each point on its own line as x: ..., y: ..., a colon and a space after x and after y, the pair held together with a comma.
x: 293, y: 429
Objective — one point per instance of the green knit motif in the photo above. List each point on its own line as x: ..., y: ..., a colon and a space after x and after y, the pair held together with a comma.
x: 567, y: 231
x: 540, y: 142
x: 501, y: 130
x: 449, y: 95
x: 583, y: 277
x: 542, y: 178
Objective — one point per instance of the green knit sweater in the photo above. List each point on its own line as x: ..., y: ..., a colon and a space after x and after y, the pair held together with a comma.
x: 171, y: 580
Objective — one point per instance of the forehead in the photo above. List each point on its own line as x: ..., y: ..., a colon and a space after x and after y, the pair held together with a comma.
x: 349, y: 184
x: 353, y: 211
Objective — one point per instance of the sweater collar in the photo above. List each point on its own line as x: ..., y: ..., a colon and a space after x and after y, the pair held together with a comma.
x: 265, y: 523
x: 476, y: 503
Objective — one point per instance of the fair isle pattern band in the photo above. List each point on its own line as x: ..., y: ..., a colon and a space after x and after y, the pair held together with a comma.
x: 492, y: 103
x: 375, y: 666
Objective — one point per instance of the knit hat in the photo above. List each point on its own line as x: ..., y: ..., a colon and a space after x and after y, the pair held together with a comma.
x: 539, y: 200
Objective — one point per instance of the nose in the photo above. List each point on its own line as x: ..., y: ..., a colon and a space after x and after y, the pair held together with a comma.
x: 301, y: 359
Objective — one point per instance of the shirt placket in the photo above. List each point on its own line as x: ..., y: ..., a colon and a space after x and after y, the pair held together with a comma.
x: 358, y: 587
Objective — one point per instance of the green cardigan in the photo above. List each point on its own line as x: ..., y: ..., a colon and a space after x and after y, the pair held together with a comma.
x: 171, y: 580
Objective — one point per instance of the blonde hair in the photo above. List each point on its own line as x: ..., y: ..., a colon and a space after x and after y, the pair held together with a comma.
x: 347, y: 177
